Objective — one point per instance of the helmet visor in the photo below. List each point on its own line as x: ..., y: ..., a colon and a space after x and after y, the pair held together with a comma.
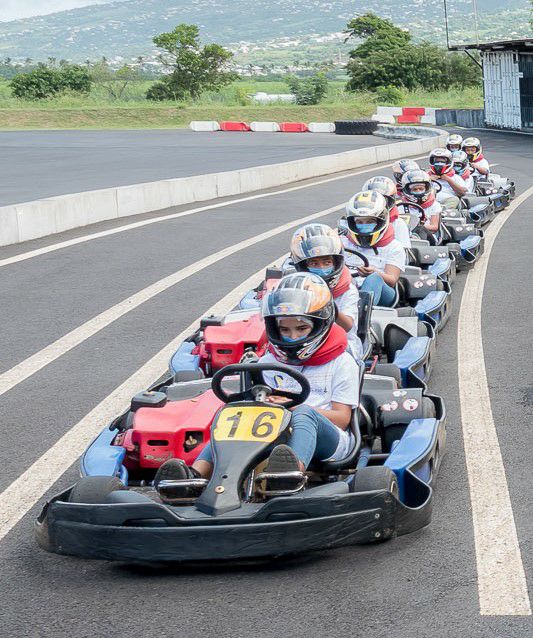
x: 319, y: 246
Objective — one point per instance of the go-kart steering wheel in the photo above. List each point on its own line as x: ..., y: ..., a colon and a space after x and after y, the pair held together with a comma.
x: 254, y: 379
x: 362, y: 257
x: 408, y: 207
x: 437, y: 186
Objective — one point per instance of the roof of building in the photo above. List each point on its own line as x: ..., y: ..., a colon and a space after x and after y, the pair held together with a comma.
x: 523, y: 45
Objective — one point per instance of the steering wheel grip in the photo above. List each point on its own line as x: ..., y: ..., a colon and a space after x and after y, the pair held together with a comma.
x: 255, y: 373
x: 362, y: 257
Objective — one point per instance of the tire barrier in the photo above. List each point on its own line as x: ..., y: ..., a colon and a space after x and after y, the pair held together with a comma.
x: 405, y: 115
x: 265, y: 127
x: 321, y: 127
x: 207, y: 126
x: 293, y: 127
x: 355, y: 127
x: 234, y: 126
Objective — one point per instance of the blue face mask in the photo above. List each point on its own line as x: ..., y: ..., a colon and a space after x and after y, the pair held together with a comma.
x: 322, y: 272
x: 288, y: 339
x: 366, y: 229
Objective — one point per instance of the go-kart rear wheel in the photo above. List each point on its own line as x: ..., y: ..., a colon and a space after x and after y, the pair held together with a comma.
x: 389, y: 370
x: 396, y: 338
x: 373, y: 478
x: 95, y: 489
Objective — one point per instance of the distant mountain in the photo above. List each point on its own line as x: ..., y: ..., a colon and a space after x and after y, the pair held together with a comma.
x: 254, y: 30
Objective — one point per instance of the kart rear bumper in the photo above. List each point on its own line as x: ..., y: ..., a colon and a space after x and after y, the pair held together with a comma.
x: 295, y: 524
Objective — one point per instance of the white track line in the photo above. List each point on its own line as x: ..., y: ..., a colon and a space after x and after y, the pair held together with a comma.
x: 193, y: 211
x: 39, y: 360
x: 29, y: 487
x: 501, y: 580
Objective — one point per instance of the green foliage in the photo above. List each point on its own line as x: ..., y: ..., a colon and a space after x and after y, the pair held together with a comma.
x: 388, y: 58
x: 114, y: 83
x: 378, y: 35
x: 389, y: 95
x: 193, y: 69
x: 310, y: 90
x: 47, y: 81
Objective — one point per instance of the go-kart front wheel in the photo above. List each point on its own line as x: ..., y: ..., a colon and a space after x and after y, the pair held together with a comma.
x: 95, y: 489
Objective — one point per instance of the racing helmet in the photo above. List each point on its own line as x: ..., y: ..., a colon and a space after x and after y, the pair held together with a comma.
x: 453, y: 143
x: 318, y: 240
x: 401, y: 167
x: 440, y: 159
x: 472, y: 142
x: 411, y: 185
x: 460, y: 161
x: 307, y: 297
x: 383, y: 185
x: 367, y: 217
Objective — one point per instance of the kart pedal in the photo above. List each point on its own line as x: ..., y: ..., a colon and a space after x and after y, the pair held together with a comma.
x: 295, y: 482
x: 181, y: 491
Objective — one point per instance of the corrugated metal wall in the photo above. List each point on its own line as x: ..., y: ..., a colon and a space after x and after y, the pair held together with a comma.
x: 526, y: 89
x: 501, y: 76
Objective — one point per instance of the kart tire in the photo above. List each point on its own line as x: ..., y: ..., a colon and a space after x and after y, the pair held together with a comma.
x: 95, y: 489
x: 428, y: 409
x: 421, y: 329
x: 389, y: 370
x: 355, y: 127
x: 42, y: 535
x: 375, y: 477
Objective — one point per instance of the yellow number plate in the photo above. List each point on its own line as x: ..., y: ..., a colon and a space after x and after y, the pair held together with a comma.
x: 242, y: 423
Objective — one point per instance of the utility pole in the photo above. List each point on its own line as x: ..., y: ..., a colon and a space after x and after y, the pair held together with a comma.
x: 446, y: 23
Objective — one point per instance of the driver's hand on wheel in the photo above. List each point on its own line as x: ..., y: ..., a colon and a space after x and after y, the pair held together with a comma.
x: 364, y: 271
x: 279, y: 400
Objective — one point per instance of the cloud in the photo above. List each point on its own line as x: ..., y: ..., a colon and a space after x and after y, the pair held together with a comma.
x: 15, y: 9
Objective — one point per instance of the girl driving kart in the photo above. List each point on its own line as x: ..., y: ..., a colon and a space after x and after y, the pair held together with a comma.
x: 387, y: 188
x: 399, y: 168
x: 300, y: 325
x: 472, y: 147
x: 441, y: 171
x: 371, y: 235
x: 317, y: 248
x: 418, y: 189
x: 461, y: 166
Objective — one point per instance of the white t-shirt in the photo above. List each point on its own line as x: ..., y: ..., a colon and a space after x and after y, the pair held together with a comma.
x: 469, y: 183
x: 392, y: 254
x: 447, y: 191
x: 434, y: 209
x: 337, y: 381
x: 483, y: 164
x: 401, y: 232
x: 348, y: 304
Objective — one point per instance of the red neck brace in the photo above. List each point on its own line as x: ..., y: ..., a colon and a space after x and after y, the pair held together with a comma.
x: 343, y: 283
x: 335, y: 344
x: 466, y: 174
x: 384, y: 241
x: 394, y: 213
x: 429, y: 201
x: 478, y: 159
x: 447, y: 171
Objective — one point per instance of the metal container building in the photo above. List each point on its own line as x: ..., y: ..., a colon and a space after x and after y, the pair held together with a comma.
x: 507, y: 82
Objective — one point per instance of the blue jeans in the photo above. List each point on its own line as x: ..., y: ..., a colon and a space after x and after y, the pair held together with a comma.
x: 313, y: 436
x: 384, y: 295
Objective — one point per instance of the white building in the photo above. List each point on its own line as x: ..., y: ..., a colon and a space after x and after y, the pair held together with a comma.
x: 507, y: 82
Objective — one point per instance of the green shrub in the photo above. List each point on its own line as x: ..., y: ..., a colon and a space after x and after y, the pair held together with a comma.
x: 46, y: 82
x: 310, y: 90
x: 390, y: 95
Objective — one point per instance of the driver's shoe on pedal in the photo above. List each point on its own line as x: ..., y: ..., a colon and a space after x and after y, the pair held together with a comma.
x: 283, y: 461
x: 174, y: 470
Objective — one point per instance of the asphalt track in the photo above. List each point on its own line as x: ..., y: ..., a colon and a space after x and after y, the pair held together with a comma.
x: 420, y: 585
x: 37, y: 164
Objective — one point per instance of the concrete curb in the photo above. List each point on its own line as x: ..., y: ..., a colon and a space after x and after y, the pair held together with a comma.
x: 40, y: 218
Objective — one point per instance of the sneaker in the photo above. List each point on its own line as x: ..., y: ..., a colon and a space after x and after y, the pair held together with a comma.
x: 174, y: 470
x: 282, y: 460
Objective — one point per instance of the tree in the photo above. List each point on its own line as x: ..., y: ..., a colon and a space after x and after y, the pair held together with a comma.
x: 311, y: 90
x: 115, y: 83
x: 45, y: 82
x: 378, y: 35
x: 193, y: 69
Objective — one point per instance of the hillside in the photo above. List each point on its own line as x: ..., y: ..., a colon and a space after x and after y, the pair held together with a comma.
x: 274, y: 31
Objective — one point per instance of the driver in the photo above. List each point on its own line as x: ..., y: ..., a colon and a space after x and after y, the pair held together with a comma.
x: 461, y: 166
x: 399, y: 168
x: 453, y: 143
x: 300, y: 325
x: 418, y: 189
x: 371, y: 234
x: 441, y: 171
x: 317, y: 248
x: 472, y: 147
x: 387, y: 188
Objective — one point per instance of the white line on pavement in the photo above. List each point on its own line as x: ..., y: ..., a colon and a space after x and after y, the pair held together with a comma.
x: 501, y: 580
x: 193, y: 211
x: 53, y: 351
x: 21, y: 495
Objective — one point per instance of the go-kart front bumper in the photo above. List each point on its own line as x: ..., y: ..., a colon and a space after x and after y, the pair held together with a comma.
x: 286, y: 525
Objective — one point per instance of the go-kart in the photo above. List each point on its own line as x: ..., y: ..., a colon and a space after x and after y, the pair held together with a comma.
x: 383, y: 488
x: 495, y: 185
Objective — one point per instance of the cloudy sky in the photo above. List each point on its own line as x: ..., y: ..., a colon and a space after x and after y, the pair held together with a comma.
x: 14, y: 9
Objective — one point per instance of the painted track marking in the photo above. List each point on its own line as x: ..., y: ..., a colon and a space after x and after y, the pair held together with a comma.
x: 501, y: 579
x: 21, y: 495
x: 193, y: 211
x: 25, y: 369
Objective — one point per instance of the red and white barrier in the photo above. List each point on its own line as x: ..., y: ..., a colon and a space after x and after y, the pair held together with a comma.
x: 405, y: 115
x: 264, y: 127
x: 204, y: 126
x: 321, y: 127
